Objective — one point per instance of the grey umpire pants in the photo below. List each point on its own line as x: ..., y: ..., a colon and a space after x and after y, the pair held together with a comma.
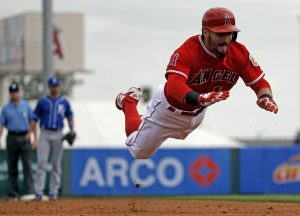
x: 50, y: 141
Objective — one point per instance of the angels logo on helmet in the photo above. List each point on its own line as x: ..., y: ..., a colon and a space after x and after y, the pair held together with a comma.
x: 227, y: 20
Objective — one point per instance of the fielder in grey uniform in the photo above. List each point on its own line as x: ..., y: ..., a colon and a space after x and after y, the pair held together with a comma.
x: 51, y: 110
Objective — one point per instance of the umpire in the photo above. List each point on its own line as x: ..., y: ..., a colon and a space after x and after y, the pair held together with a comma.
x: 17, y: 117
x: 51, y: 111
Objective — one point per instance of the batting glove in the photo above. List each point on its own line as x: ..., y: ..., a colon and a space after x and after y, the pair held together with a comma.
x: 212, y: 97
x: 268, y: 104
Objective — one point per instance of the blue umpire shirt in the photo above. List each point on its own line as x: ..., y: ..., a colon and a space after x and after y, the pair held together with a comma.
x: 51, y: 112
x: 16, y: 117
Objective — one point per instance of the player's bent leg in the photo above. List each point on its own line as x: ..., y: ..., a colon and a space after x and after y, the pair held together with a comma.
x: 143, y: 143
x: 128, y: 102
x: 132, y: 118
x: 153, y: 130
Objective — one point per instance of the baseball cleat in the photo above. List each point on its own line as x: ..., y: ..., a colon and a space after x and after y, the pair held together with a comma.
x: 133, y: 93
x: 52, y: 197
x: 38, y: 197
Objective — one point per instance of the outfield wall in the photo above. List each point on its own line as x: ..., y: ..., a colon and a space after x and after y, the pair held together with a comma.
x: 269, y: 170
x: 113, y: 172
x: 168, y: 172
x: 66, y: 167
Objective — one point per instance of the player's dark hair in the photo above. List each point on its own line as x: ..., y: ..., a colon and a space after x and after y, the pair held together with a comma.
x: 234, y: 36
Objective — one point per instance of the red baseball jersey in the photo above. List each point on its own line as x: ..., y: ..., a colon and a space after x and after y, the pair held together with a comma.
x: 204, y: 72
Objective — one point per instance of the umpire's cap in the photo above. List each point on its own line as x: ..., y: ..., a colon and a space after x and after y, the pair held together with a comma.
x: 14, y: 87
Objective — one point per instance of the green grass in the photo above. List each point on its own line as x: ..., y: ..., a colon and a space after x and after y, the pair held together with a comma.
x: 245, y: 198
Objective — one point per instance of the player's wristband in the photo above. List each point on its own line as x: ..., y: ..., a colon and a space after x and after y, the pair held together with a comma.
x: 265, y: 96
x: 71, y: 127
x: 192, y: 98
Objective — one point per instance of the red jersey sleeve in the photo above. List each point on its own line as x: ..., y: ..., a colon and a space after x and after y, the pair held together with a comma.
x: 179, y: 64
x: 251, y: 71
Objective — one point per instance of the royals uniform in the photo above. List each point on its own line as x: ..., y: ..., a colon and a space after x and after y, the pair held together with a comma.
x: 168, y: 118
x: 51, y: 113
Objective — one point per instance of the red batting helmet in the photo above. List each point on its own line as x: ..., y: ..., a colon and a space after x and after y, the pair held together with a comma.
x: 219, y: 20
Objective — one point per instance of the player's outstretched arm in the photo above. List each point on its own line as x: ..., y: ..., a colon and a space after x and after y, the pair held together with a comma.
x: 206, y: 99
x: 264, y: 96
x: 265, y: 100
x: 179, y: 90
x: 212, y: 97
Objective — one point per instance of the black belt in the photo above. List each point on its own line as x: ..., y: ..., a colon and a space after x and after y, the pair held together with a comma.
x: 187, y: 113
x: 52, y: 129
x: 17, y: 133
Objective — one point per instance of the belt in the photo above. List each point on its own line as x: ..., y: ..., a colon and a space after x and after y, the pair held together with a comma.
x: 52, y: 129
x: 17, y: 133
x: 187, y: 113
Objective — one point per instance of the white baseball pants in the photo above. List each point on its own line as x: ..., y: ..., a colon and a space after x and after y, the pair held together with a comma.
x: 159, y: 124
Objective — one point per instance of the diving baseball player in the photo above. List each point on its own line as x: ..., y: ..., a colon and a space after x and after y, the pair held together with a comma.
x: 200, y: 73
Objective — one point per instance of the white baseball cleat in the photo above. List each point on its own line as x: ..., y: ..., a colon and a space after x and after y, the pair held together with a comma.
x: 133, y: 92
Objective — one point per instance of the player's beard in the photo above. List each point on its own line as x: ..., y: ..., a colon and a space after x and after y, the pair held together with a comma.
x: 220, y: 49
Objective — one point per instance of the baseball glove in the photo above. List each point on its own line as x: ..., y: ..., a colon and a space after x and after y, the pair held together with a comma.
x: 70, y: 137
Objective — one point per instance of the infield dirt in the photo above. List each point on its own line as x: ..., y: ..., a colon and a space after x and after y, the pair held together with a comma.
x: 146, y: 207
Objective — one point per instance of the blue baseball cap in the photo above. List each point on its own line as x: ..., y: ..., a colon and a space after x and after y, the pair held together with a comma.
x: 53, y: 81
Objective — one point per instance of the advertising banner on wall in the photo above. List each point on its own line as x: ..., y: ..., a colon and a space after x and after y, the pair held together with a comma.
x: 270, y: 170
x: 168, y: 172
